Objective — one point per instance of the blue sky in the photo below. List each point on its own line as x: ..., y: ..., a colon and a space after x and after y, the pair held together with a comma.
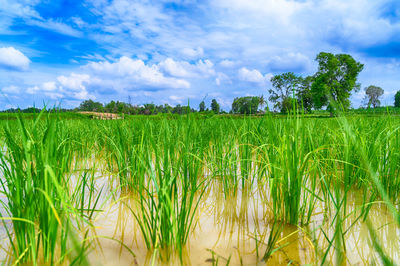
x: 172, y: 51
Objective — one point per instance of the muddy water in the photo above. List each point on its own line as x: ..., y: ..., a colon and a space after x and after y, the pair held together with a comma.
x: 236, y: 228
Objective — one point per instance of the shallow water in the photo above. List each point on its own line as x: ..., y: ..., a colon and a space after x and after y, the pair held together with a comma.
x: 237, y: 229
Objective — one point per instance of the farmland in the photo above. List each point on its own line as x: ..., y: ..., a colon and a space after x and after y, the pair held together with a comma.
x: 200, y: 190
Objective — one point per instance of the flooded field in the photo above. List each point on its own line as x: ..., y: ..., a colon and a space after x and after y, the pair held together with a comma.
x: 201, y: 192
x: 236, y: 230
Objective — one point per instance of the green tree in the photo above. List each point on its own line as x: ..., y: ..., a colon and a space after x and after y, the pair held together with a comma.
x: 246, y: 105
x: 215, y: 106
x: 149, y: 108
x: 202, y: 106
x: 111, y: 107
x: 334, y: 81
x: 397, y: 99
x: 261, y: 101
x: 285, y: 86
x: 304, y: 95
x: 91, y: 106
x: 372, y: 95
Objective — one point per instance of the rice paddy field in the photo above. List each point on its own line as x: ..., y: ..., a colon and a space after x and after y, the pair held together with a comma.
x: 190, y: 190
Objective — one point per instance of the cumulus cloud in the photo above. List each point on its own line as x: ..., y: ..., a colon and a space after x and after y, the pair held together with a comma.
x: 13, y: 59
x: 253, y: 76
x: 134, y: 72
x: 73, y: 86
x: 202, y: 68
x: 125, y: 74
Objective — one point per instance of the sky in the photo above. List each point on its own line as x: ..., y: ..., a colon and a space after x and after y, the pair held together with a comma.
x: 62, y: 52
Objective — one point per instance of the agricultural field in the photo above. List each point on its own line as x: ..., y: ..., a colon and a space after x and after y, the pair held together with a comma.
x: 196, y: 190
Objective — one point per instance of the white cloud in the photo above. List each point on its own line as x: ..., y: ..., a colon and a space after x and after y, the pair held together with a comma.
x: 253, y: 76
x: 227, y: 63
x: 295, y: 62
x: 56, y: 26
x: 11, y: 90
x: 193, y: 53
x: 201, y: 69
x: 271, y: 9
x: 49, y: 86
x: 135, y: 72
x: 11, y: 58
x: 75, y: 82
x: 176, y: 99
x: 221, y: 77
x: 72, y: 87
x: 15, y: 8
x: 124, y: 75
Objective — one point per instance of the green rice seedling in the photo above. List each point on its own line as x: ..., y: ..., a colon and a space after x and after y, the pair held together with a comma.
x: 171, y: 191
x: 289, y: 171
x: 34, y: 170
x: 222, y: 156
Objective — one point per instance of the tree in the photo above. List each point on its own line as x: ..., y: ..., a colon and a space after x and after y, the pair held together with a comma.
x: 261, y: 101
x: 372, y: 95
x: 149, y: 109
x: 215, y: 106
x: 304, y: 95
x: 245, y: 105
x: 90, y: 105
x: 111, y: 107
x: 202, y: 106
x: 334, y: 81
x: 397, y: 99
x: 285, y: 87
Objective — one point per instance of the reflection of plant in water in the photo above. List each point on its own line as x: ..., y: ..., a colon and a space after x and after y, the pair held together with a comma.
x: 274, y: 235
x: 215, y: 258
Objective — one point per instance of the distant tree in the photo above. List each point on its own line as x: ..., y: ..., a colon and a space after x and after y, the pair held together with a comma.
x: 202, y: 106
x: 179, y: 109
x: 304, y: 95
x: 149, y: 108
x: 285, y: 87
x: 166, y: 108
x: 261, y: 101
x: 397, y: 99
x: 31, y: 110
x: 91, y: 106
x: 111, y: 107
x: 215, y: 106
x: 372, y: 95
x: 245, y: 105
x: 334, y: 81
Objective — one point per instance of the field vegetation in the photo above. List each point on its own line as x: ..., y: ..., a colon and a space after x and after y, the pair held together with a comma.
x: 288, y: 186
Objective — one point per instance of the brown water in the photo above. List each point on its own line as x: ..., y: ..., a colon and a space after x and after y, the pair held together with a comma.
x: 237, y: 229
